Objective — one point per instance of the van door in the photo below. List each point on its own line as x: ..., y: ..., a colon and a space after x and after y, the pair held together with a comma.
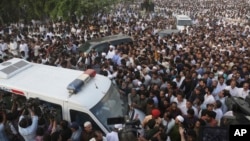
x: 79, y: 115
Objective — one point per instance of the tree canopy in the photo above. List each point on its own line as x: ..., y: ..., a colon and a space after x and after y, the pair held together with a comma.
x: 15, y: 10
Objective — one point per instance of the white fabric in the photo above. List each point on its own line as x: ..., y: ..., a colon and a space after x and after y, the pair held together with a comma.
x: 112, y: 136
x: 242, y: 93
x: 219, y: 114
x: 233, y: 91
x: 29, y: 133
x: 13, y: 48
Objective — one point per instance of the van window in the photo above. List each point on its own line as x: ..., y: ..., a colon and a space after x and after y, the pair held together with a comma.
x: 51, y: 110
x: 184, y: 22
x: 102, y: 48
x: 81, y: 118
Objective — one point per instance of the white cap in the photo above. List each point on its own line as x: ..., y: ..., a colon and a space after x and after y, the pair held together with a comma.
x: 138, y: 68
x: 103, y: 54
x: 87, y: 123
x: 180, y: 118
x: 154, y: 67
x: 111, y: 46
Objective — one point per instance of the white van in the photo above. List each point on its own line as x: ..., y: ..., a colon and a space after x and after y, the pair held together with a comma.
x: 76, y: 95
x: 182, y: 21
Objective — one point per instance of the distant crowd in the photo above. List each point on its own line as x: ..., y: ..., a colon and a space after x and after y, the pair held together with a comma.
x: 180, y: 81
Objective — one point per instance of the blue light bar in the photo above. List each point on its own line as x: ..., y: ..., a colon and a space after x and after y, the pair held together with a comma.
x: 75, y: 86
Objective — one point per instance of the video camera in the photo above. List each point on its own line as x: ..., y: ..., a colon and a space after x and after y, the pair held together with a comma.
x: 130, y: 130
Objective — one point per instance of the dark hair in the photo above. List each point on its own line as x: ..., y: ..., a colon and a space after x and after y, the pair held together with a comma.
x: 150, y: 101
x: 64, y: 124
x: 25, y: 122
x: 96, y: 133
x: 190, y: 111
x: 211, y: 114
x: 218, y: 104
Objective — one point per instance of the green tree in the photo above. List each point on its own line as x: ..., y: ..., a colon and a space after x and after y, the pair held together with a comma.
x: 14, y: 10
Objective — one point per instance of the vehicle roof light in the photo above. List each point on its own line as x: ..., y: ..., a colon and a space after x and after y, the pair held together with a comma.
x: 76, y: 85
x: 90, y: 72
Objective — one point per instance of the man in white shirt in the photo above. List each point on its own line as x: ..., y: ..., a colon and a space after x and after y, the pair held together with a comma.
x: 26, y: 129
x: 218, y: 110
x: 233, y: 90
x: 181, y: 101
x: 208, y: 98
x: 24, y: 48
x: 111, y: 52
x: 113, y: 135
x: 243, y: 92
x: 13, y: 47
x: 221, y: 85
x: 189, y: 105
x: 168, y: 122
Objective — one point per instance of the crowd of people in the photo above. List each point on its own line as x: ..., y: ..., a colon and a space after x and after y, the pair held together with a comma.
x: 179, y: 81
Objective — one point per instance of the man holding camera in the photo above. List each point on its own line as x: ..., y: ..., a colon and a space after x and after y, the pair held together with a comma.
x: 28, y: 123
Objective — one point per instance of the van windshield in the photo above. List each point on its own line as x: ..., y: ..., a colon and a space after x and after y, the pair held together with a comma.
x: 184, y: 22
x: 110, y: 106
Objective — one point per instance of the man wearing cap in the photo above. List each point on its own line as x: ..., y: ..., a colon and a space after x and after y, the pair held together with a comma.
x: 174, y: 134
x: 111, y: 52
x: 88, y: 132
x: 113, y: 135
x: 155, y: 114
x: 76, y: 131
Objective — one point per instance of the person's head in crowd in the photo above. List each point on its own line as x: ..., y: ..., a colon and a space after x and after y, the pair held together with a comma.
x: 179, y: 120
x: 221, y: 80
x: 97, y: 136
x: 197, y: 90
x: 210, y: 116
x: 217, y: 104
x: 25, y: 122
x: 162, y: 94
x: 210, y: 107
x: 214, y: 83
x: 133, y: 92
x: 155, y: 113
x: 224, y: 93
x: 74, y: 126
x: 233, y: 84
x: 64, y: 124
x: 167, y: 116
x: 202, y: 83
x: 189, y: 104
x: 179, y: 96
x: 199, y: 123
x: 190, y: 113
x: 209, y: 90
x: 88, y: 126
x: 173, y: 106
